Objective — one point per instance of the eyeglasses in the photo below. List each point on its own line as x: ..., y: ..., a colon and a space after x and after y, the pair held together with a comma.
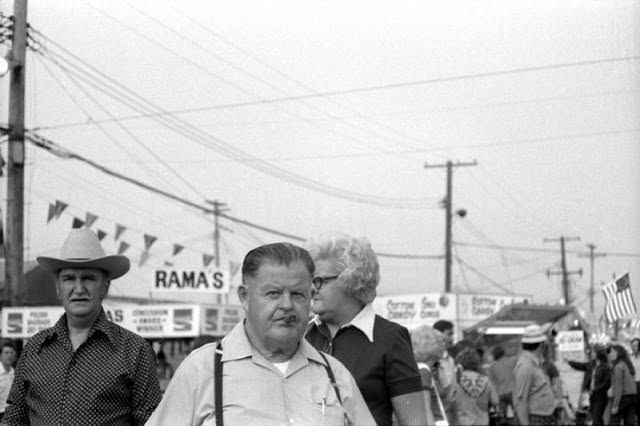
x: 318, y: 282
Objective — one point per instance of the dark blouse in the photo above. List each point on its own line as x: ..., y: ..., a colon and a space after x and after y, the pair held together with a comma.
x: 383, y: 369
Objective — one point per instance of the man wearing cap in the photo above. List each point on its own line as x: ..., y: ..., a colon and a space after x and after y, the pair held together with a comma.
x: 85, y: 370
x: 533, y: 398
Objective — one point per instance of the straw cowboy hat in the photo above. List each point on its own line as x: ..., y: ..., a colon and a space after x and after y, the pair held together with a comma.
x: 82, y: 249
x: 533, y: 334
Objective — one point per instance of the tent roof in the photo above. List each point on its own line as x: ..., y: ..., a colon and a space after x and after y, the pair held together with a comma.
x: 521, y: 314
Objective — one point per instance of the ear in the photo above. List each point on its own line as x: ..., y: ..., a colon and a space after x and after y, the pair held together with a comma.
x: 243, y: 293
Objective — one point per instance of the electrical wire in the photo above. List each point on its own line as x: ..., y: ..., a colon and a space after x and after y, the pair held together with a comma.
x: 198, y: 135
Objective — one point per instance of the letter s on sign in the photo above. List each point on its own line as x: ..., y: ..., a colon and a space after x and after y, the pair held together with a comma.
x: 218, y: 279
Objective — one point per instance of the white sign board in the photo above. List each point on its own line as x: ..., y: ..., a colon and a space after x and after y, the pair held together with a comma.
x: 20, y: 323
x: 413, y: 310
x: 476, y: 307
x: 570, y: 341
x: 204, y: 281
x: 219, y: 320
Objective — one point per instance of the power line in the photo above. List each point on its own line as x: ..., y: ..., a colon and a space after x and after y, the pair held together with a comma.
x: 521, y: 248
x: 61, y: 152
x: 198, y: 135
x: 397, y: 85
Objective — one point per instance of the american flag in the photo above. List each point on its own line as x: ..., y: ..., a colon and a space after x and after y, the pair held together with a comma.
x: 619, y: 300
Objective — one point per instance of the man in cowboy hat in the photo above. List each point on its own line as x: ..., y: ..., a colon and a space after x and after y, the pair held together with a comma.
x: 533, y: 398
x: 85, y: 370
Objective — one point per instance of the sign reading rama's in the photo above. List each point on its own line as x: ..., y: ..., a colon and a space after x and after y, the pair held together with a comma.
x: 206, y: 281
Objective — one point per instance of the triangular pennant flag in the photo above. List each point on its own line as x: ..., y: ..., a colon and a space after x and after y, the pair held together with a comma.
x: 77, y: 223
x: 169, y: 264
x: 206, y: 259
x: 119, y: 230
x: 177, y: 248
x: 101, y: 234
x: 123, y: 247
x: 89, y: 220
x: 60, y: 206
x: 143, y: 258
x: 234, y: 267
x: 148, y: 241
x: 51, y: 213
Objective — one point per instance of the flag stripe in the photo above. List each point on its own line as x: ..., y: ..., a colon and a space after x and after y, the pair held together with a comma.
x: 619, y: 299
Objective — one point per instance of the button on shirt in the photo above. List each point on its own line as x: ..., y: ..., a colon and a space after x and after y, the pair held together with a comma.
x: 108, y: 380
x: 256, y: 392
x: 378, y: 353
x: 531, y: 386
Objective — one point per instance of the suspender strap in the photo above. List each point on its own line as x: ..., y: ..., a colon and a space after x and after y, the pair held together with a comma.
x: 217, y: 383
x: 331, y: 377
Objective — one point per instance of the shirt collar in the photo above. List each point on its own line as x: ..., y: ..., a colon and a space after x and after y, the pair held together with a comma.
x: 532, y: 357
x: 101, y: 324
x: 363, y: 321
x: 236, y: 346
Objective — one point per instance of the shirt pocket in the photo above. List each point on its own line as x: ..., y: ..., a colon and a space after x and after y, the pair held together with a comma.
x: 327, y: 410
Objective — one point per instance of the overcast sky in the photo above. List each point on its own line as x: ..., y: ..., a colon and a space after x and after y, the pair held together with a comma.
x: 310, y: 116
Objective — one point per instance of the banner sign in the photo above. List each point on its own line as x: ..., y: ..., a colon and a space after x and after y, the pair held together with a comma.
x: 570, y: 341
x: 414, y: 310
x: 476, y: 307
x: 219, y: 320
x: 149, y: 321
x: 21, y: 323
x: 204, y: 281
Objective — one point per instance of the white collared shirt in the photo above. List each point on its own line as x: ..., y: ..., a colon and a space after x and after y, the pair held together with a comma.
x: 363, y: 321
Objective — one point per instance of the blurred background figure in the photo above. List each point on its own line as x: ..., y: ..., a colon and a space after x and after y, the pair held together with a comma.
x: 8, y: 359
x: 623, y: 388
x: 475, y: 392
x: 447, y: 368
x: 428, y: 348
x: 163, y: 369
x: 376, y: 351
x: 635, y: 360
x: 598, y: 380
x: 500, y: 372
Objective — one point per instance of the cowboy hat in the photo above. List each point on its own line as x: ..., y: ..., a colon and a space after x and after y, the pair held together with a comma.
x: 533, y: 334
x: 82, y: 249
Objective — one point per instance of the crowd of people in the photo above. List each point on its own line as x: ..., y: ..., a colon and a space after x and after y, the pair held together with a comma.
x: 310, y: 351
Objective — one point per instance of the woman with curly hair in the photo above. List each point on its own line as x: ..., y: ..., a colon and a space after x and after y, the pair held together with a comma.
x: 623, y: 386
x: 475, y: 390
x: 376, y: 351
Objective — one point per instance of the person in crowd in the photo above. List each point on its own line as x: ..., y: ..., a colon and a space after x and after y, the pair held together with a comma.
x: 7, y: 358
x: 598, y: 375
x: 428, y: 347
x: 500, y: 372
x: 635, y: 360
x: 533, y: 398
x: 264, y: 372
x: 447, y: 368
x: 475, y: 391
x: 623, y: 387
x: 376, y: 351
x: 85, y: 370
x: 164, y: 370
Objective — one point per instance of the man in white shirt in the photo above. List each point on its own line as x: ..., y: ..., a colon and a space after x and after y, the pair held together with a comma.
x: 7, y: 358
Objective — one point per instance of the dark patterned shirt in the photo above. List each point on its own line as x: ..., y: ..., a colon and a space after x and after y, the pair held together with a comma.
x: 109, y: 380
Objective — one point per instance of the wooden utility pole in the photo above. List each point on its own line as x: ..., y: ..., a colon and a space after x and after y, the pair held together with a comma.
x: 448, y: 203
x: 14, y: 269
x: 218, y: 208
x: 563, y: 263
x: 592, y: 256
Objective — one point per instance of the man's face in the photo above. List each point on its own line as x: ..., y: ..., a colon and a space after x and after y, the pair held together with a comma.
x: 7, y: 356
x: 327, y: 301
x: 81, y: 290
x: 276, y: 304
x: 448, y: 337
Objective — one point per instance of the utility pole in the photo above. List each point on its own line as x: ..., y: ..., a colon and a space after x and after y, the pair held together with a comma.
x: 448, y: 203
x: 218, y: 208
x: 592, y: 256
x: 14, y: 269
x: 563, y: 262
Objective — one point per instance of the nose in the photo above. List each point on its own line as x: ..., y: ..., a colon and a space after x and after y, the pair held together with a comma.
x: 286, y: 302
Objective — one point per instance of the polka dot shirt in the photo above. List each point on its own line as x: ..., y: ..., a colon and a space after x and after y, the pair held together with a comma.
x: 109, y: 380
